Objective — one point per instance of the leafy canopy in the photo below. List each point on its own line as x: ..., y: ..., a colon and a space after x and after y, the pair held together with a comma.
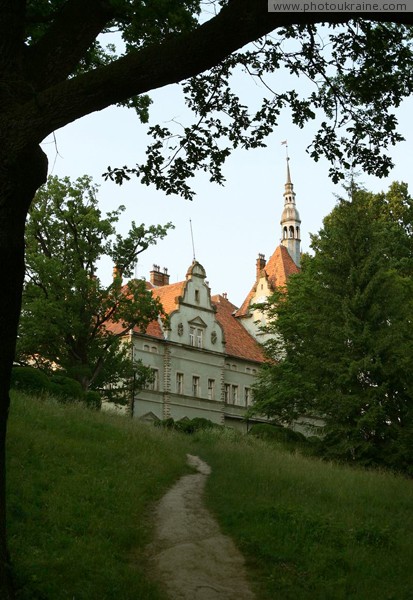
x: 357, y: 71
x: 69, y: 318
x: 356, y: 76
x: 343, y: 336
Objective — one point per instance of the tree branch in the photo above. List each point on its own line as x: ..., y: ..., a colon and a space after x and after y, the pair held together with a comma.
x: 11, y: 40
x: 74, y: 29
x: 170, y: 61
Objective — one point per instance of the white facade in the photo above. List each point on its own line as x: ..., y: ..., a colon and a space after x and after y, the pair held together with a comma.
x: 206, y: 360
x: 194, y: 373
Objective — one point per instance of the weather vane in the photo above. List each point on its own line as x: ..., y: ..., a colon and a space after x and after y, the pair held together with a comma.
x: 285, y: 143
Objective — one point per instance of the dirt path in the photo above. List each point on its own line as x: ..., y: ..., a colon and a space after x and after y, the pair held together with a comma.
x: 191, y: 557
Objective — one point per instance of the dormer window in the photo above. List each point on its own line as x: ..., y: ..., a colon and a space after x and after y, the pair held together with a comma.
x: 195, y: 337
x: 199, y: 338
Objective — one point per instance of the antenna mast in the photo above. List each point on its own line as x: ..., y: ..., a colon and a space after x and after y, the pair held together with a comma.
x: 192, y: 238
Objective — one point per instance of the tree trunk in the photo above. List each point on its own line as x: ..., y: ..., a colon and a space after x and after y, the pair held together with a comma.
x: 20, y: 177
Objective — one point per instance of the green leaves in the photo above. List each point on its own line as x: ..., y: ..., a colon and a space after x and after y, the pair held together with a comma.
x: 345, y: 325
x: 356, y: 75
x: 69, y: 318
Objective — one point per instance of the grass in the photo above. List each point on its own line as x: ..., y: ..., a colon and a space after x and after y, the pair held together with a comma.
x: 311, y: 530
x: 82, y: 486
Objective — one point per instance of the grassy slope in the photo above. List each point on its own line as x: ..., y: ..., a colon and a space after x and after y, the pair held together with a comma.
x: 311, y: 530
x: 81, y: 486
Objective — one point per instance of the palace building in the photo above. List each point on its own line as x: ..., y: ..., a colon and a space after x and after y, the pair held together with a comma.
x: 205, y: 361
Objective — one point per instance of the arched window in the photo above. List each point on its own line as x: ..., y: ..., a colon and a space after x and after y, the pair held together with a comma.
x: 297, y: 229
x: 285, y: 233
x: 291, y: 231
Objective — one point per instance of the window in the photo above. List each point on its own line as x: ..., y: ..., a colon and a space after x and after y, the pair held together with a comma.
x: 154, y: 384
x: 146, y: 347
x: 211, y: 389
x: 199, y: 338
x: 234, y: 396
x: 195, y: 386
x: 195, y: 337
x: 179, y: 383
x: 192, y: 336
x: 247, y: 396
x: 154, y: 349
x: 196, y: 295
x: 226, y: 392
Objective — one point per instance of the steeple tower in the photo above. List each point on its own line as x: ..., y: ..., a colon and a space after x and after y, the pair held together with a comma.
x: 290, y: 221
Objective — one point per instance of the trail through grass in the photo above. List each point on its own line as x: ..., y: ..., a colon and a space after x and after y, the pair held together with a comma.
x: 311, y: 530
x: 81, y: 486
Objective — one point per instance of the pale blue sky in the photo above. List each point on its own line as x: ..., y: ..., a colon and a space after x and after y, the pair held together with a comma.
x: 231, y: 224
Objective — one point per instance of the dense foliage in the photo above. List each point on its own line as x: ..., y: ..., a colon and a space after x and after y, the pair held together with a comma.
x: 343, y: 345
x: 353, y: 83
x: 70, y: 320
x: 56, y: 67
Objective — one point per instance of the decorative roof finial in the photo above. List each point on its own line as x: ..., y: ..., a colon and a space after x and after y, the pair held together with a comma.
x: 285, y: 143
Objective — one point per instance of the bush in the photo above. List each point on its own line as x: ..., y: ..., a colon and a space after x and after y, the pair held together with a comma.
x: 165, y: 423
x: 29, y: 379
x: 277, y: 433
x: 65, y: 388
x: 187, y: 425
x: 92, y: 400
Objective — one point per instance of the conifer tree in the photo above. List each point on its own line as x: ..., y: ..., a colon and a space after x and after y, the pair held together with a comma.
x: 344, y: 333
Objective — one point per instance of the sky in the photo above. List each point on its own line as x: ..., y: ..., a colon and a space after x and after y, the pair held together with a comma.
x: 232, y: 223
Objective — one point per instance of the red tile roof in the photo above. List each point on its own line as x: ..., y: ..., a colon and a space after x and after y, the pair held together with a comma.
x: 279, y: 267
x: 277, y: 271
x: 169, y: 294
x: 239, y: 343
x: 153, y: 329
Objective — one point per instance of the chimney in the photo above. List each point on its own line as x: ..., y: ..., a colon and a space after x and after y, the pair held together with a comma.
x: 165, y: 276
x: 225, y: 295
x: 157, y: 277
x: 261, y: 262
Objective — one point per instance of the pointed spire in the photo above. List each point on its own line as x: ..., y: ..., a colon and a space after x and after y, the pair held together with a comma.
x: 288, y: 170
x: 289, y: 188
x: 290, y: 219
x: 289, y: 194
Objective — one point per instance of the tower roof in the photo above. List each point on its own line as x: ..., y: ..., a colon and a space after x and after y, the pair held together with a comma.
x: 277, y: 270
x: 238, y: 342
